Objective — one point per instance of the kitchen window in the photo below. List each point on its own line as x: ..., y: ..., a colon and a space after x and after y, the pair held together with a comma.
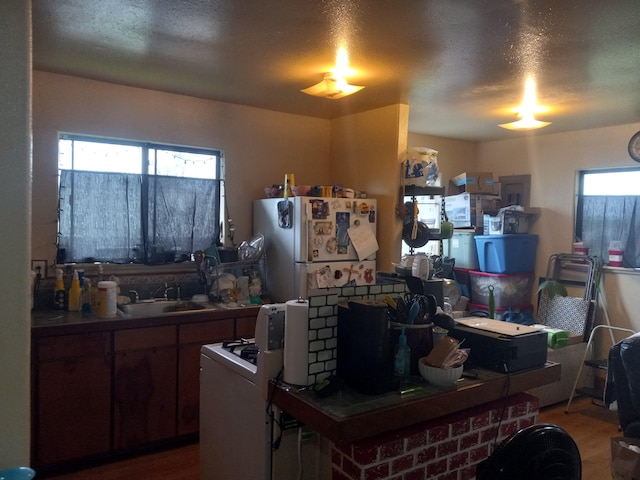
x: 126, y: 201
x: 608, y: 213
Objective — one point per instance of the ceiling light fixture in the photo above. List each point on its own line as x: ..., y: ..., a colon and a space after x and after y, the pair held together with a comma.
x: 527, y: 110
x: 334, y: 84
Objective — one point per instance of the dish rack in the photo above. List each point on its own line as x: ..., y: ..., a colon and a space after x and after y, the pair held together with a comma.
x: 226, y: 281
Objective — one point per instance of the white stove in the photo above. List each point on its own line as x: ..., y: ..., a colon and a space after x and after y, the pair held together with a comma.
x: 230, y: 352
x: 236, y: 427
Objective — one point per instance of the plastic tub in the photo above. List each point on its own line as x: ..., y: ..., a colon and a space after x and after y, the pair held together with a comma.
x: 508, y: 289
x: 511, y: 253
x: 476, y: 310
x: 462, y: 247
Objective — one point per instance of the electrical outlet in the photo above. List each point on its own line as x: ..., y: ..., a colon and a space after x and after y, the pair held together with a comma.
x: 39, y: 266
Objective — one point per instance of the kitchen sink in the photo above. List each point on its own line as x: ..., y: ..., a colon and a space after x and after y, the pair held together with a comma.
x: 162, y: 307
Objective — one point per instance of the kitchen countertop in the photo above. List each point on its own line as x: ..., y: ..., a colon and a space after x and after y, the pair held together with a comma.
x: 348, y: 416
x: 54, y: 322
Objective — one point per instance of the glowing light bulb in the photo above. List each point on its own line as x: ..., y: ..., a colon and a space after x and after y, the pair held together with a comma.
x: 527, y: 110
x: 334, y: 85
x: 342, y: 68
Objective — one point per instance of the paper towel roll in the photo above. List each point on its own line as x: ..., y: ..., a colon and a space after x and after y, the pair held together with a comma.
x: 296, y: 342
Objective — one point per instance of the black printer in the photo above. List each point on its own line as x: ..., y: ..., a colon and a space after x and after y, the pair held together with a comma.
x: 501, y: 346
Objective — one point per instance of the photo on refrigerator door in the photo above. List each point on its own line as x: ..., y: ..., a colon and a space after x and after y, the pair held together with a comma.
x: 323, y: 278
x: 342, y: 232
x: 339, y: 274
x: 322, y: 228
x: 319, y: 209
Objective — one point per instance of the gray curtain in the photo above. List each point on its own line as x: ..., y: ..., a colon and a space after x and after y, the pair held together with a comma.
x: 612, y: 218
x: 119, y: 217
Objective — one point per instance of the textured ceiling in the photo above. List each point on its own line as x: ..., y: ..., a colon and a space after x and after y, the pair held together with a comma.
x: 459, y: 64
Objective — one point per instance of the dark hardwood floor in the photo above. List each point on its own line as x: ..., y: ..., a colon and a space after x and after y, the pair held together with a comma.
x: 180, y: 463
x: 591, y: 426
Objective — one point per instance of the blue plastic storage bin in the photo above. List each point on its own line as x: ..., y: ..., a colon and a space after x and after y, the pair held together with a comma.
x: 511, y: 253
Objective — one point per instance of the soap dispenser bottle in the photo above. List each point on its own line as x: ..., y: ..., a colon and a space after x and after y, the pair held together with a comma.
x: 402, y: 358
x: 75, y: 293
x: 60, y: 294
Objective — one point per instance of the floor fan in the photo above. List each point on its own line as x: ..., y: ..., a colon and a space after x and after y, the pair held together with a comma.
x: 539, y: 452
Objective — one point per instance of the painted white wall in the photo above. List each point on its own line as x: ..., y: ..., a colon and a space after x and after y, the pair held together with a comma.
x: 553, y: 161
x: 454, y: 156
x: 366, y: 151
x: 260, y: 146
x: 15, y: 202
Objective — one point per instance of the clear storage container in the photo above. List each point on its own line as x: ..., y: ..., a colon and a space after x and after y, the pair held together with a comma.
x: 462, y: 247
x: 509, y: 290
x: 499, y: 313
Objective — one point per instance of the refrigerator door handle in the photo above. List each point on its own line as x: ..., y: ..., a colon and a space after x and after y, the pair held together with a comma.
x: 285, y: 210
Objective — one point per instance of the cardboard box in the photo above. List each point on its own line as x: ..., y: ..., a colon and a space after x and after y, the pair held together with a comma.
x: 509, y: 221
x: 441, y: 351
x: 472, y: 182
x: 466, y: 209
x: 625, y: 458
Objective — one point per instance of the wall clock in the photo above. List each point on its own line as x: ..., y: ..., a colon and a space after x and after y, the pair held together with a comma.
x: 634, y: 147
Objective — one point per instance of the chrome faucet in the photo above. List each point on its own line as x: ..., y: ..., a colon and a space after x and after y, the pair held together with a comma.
x: 136, y: 296
x: 166, y: 290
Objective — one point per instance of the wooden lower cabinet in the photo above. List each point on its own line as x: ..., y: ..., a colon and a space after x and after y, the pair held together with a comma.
x: 246, y: 326
x: 100, y: 394
x: 144, y: 386
x: 73, y: 397
x: 191, y: 338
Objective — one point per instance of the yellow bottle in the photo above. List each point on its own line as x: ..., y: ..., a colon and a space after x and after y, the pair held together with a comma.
x: 75, y: 294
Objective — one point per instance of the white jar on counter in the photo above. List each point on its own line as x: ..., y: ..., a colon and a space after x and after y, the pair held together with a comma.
x: 107, y: 306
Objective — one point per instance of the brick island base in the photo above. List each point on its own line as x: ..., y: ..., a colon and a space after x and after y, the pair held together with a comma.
x: 447, y: 448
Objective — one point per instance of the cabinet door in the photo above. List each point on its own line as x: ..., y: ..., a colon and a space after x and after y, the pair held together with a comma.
x: 72, y: 394
x: 144, y: 386
x: 246, y: 326
x: 192, y: 337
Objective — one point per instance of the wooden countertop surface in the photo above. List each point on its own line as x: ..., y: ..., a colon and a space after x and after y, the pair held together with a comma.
x: 347, y: 417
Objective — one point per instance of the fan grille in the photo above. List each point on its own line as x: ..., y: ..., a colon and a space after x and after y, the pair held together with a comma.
x: 539, y: 452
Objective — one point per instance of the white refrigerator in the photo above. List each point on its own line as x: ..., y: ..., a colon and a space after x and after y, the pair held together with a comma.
x: 316, y: 242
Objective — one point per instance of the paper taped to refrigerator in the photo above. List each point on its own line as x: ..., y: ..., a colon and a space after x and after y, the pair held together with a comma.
x: 364, y: 241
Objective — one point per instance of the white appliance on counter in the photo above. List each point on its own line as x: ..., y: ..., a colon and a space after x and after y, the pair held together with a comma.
x: 237, y: 431
x: 316, y: 242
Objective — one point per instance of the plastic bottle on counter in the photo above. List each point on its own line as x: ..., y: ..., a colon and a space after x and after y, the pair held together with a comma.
x: 86, y: 297
x: 75, y: 293
x: 402, y: 358
x: 446, y: 306
x: 60, y: 294
x: 255, y: 288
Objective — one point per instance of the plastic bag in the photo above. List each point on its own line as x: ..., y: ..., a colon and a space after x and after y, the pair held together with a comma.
x: 422, y: 162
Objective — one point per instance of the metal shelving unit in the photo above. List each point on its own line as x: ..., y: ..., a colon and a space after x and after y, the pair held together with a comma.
x: 414, y: 191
